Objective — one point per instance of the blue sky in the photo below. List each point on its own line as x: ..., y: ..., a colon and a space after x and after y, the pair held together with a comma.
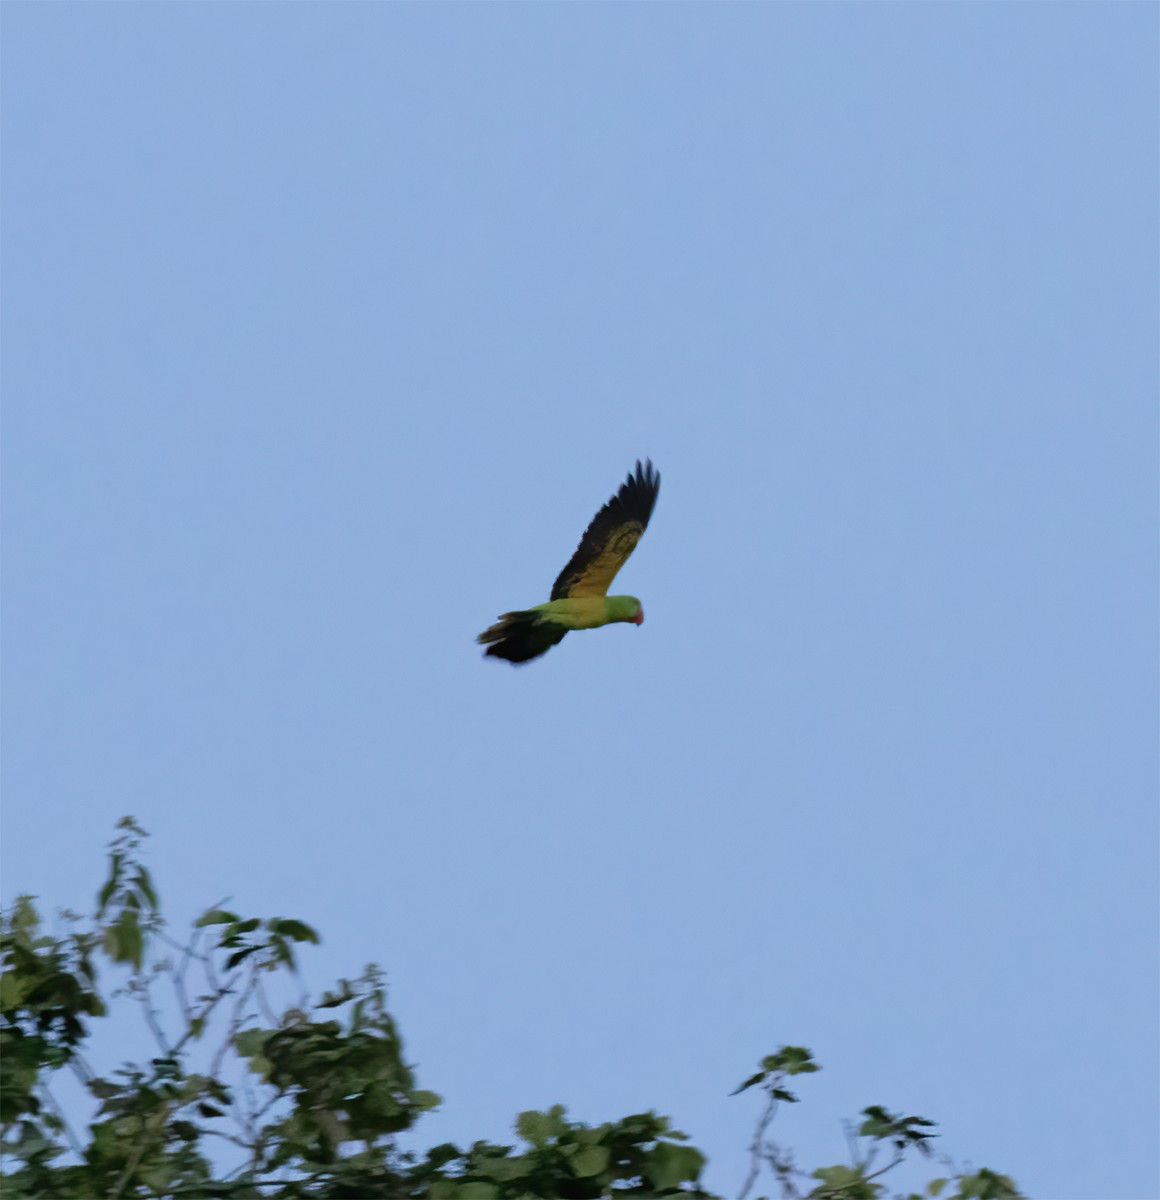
x: 327, y: 329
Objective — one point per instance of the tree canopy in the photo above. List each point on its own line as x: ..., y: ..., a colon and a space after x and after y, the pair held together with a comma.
x: 236, y: 1094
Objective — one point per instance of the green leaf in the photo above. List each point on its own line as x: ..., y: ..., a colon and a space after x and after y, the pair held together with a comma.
x: 590, y: 1160
x: 251, y: 1041
x: 798, y: 1061
x: 669, y: 1166
x: 12, y: 990
x: 501, y: 1168
x: 987, y: 1185
x: 838, y: 1178
x: 876, y: 1127
x: 344, y: 994
x: 532, y: 1127
x: 445, y: 1152
x: 757, y: 1078
x: 110, y: 887
x: 539, y: 1128
x: 239, y: 956
x: 297, y: 931
x: 144, y: 885
x: 124, y: 940
x: 215, y: 916
x: 935, y: 1187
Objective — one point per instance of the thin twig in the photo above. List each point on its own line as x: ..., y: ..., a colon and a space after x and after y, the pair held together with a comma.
x: 229, y: 1137
x: 266, y: 1007
x: 235, y: 1025
x: 852, y: 1142
x: 81, y: 1069
x: 898, y: 1157
x: 782, y: 1166
x: 210, y: 1003
x: 210, y: 973
x: 235, y: 1185
x: 152, y: 1016
x: 840, y: 1187
x: 188, y: 952
x: 758, y: 1145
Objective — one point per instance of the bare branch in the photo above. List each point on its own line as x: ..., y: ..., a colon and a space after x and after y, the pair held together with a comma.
x: 229, y: 1137
x: 142, y: 986
x: 782, y: 1165
x: 80, y: 1068
x: 851, y: 1142
x: 898, y: 1158
x: 264, y: 1004
x: 757, y: 1147
x: 236, y: 1021
x: 189, y: 952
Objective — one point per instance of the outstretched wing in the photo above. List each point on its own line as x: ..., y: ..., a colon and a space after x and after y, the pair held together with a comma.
x: 611, y: 538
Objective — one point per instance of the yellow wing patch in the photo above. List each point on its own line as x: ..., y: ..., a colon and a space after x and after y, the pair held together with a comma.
x: 596, y: 576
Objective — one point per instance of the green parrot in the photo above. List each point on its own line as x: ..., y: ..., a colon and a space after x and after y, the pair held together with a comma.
x: 580, y: 597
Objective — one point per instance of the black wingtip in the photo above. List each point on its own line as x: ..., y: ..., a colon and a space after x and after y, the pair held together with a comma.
x: 638, y: 494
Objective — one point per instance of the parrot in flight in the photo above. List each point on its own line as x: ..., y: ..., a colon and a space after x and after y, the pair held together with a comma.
x: 580, y: 597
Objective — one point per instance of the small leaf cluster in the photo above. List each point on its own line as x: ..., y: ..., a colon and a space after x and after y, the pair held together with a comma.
x: 343, y: 1082
x: 48, y: 995
x: 861, y: 1179
x: 274, y: 943
x: 127, y: 902
x: 775, y: 1068
x: 640, y: 1155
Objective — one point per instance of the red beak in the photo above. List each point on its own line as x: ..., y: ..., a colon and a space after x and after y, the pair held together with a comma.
x: 639, y: 618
